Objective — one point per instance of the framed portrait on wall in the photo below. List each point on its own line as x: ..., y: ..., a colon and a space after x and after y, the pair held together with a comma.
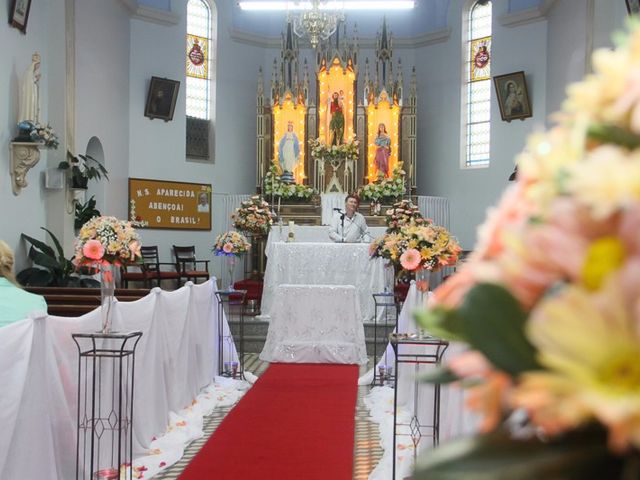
x: 161, y: 98
x: 19, y: 14
x: 513, y: 96
x: 633, y: 6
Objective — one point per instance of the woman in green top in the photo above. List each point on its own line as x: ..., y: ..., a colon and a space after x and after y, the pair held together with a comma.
x: 15, y: 303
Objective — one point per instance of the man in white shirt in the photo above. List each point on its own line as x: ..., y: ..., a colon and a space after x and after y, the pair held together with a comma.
x: 349, y: 226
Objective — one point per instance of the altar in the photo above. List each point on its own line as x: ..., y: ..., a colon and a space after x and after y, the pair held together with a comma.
x: 323, y: 263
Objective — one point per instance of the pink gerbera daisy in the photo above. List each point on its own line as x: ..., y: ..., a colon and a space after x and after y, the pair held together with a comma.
x: 93, y: 250
x: 410, y: 260
x: 227, y: 248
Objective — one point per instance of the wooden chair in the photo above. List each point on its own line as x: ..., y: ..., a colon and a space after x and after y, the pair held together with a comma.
x: 187, y: 264
x: 150, y: 269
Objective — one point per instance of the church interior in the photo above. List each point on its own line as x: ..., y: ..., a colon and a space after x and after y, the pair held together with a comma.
x: 222, y: 142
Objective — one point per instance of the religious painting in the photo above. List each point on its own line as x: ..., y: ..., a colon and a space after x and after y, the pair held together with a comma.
x: 19, y: 14
x: 288, y: 139
x: 170, y: 205
x: 161, y: 98
x: 480, y: 58
x: 383, y: 137
x: 633, y: 6
x: 513, y: 97
x: 336, y: 94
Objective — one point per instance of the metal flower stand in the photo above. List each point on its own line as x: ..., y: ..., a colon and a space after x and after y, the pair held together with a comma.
x: 386, y: 315
x: 104, y: 448
x: 425, y: 350
x: 232, y: 303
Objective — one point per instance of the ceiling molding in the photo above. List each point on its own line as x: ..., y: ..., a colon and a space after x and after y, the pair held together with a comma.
x: 264, y: 41
x: 150, y: 14
x: 530, y: 15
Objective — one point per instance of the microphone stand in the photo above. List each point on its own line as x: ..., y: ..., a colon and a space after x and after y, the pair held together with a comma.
x: 342, y: 215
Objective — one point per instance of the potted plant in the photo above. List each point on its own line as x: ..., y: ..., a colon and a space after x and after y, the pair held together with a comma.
x: 83, y: 168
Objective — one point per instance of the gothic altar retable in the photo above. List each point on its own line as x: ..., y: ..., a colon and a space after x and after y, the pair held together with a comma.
x: 335, y: 140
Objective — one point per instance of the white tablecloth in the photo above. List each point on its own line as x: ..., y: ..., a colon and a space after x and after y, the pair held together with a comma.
x: 323, y: 264
x: 308, y: 234
x: 175, y: 358
x: 315, y: 324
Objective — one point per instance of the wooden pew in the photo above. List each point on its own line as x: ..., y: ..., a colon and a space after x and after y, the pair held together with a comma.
x: 73, y: 302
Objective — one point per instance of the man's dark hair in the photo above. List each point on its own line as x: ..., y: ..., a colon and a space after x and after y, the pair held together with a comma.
x: 354, y: 196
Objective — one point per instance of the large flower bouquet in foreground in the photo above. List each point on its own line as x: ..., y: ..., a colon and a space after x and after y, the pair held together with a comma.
x: 549, y: 302
x: 107, y: 240
x: 231, y: 244
x: 348, y: 150
x: 253, y: 216
x: 274, y: 186
x: 384, y: 188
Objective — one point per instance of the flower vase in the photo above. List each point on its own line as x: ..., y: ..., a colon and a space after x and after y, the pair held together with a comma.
x: 389, y: 277
x: 423, y: 277
x: 376, y: 207
x: 108, y: 299
x: 231, y: 266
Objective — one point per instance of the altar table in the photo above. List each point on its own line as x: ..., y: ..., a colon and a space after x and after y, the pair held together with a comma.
x: 315, y: 324
x: 308, y: 234
x: 323, y: 264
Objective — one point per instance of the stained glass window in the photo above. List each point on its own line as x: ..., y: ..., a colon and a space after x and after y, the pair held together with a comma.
x: 198, y: 59
x: 477, y: 104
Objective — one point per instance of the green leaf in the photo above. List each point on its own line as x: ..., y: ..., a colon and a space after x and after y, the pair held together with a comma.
x: 43, y: 247
x: 613, y: 134
x: 493, y: 322
x: 442, y: 323
x: 56, y: 243
x: 34, y: 277
x: 580, y: 456
x: 441, y: 375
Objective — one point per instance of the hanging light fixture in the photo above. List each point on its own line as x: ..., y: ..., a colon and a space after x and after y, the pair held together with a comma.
x: 316, y: 24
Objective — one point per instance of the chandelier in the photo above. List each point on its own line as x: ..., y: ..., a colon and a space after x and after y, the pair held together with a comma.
x: 316, y: 24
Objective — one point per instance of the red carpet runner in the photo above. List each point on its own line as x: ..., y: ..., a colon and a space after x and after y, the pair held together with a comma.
x: 296, y: 422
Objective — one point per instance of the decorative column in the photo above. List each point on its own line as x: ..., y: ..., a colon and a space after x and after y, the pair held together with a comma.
x: 24, y: 156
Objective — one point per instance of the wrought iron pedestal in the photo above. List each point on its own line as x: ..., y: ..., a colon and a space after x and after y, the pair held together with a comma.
x: 386, y: 315
x: 416, y: 351
x: 106, y: 364
x: 232, y: 303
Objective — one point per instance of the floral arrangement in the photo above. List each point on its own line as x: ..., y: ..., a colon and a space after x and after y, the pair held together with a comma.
x: 253, y: 216
x: 384, y: 188
x: 40, y: 133
x: 273, y: 186
x: 231, y: 243
x: 549, y: 300
x: 403, y: 213
x: 349, y: 150
x: 107, y: 240
x: 414, y: 247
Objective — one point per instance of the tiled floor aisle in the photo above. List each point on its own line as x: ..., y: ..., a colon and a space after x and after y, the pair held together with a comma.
x: 367, y: 451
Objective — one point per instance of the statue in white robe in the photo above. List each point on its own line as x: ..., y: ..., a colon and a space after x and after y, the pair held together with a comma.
x: 29, y: 105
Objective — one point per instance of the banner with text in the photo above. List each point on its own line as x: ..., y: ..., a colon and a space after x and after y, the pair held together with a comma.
x: 170, y: 205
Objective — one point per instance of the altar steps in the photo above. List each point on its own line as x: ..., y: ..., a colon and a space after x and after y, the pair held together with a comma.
x: 255, y: 334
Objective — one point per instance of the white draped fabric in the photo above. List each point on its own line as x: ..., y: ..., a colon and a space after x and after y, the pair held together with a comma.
x: 329, y: 201
x: 308, y: 234
x: 455, y: 421
x: 323, y: 264
x: 315, y: 324
x: 175, y: 359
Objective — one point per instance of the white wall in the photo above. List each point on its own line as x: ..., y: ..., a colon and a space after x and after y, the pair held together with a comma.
x: 26, y: 213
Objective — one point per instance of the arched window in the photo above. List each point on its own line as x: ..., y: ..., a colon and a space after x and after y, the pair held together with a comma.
x: 476, y: 98
x: 200, y: 66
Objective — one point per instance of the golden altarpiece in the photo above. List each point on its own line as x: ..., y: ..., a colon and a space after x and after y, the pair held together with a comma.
x: 335, y: 114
